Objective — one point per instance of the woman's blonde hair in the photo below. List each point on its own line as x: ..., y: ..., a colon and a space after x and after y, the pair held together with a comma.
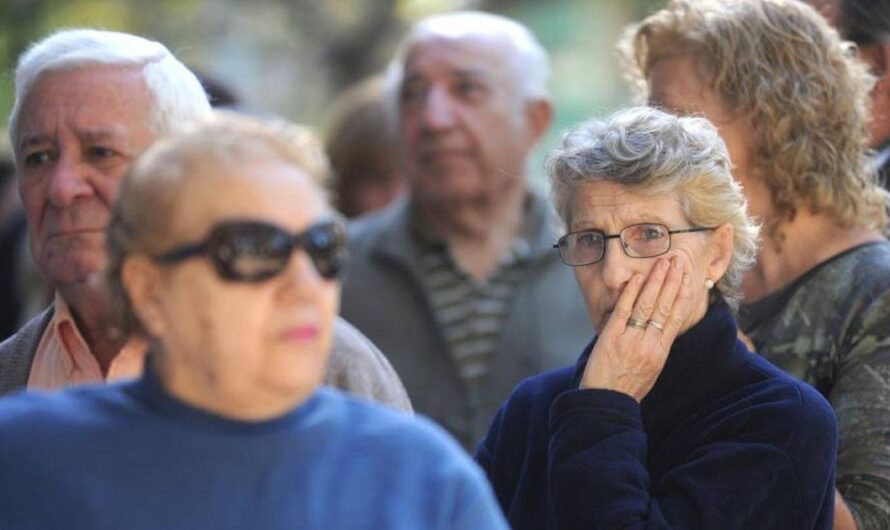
x: 655, y: 153
x: 778, y: 63
x: 141, y: 221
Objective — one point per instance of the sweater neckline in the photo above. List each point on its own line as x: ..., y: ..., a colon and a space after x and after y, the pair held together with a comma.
x: 149, y: 391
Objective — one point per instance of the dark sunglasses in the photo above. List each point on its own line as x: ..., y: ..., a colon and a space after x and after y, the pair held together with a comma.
x: 253, y: 251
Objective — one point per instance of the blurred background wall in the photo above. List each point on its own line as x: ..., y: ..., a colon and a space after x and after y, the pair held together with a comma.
x: 288, y: 58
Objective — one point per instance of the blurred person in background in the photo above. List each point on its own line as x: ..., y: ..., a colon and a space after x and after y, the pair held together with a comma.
x: 362, y: 143
x: 235, y: 289
x: 458, y: 282
x: 867, y: 24
x: 88, y: 103
x: 792, y: 103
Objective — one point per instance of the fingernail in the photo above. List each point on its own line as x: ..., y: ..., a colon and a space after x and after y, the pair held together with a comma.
x: 664, y: 264
x: 677, y: 263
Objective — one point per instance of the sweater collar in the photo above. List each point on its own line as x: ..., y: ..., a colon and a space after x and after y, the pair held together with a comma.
x: 149, y: 390
x: 693, y: 368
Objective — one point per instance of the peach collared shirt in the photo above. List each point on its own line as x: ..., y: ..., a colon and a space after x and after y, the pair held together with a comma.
x: 63, y: 357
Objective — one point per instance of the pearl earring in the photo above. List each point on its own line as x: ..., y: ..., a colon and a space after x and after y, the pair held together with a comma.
x: 709, y: 284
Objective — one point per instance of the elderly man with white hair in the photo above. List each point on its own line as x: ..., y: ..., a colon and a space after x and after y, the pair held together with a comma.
x: 459, y: 282
x: 88, y: 103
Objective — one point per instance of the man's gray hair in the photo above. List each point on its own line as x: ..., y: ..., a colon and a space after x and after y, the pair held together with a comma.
x: 655, y: 153
x: 178, y: 95
x: 528, y: 59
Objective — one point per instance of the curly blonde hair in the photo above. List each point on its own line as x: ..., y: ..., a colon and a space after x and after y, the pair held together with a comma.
x: 655, y: 153
x: 780, y: 64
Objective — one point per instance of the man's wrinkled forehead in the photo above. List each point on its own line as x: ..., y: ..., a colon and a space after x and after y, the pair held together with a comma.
x: 100, y: 103
x: 481, y: 55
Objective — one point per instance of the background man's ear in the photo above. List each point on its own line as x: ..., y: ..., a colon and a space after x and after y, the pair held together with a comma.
x: 539, y: 116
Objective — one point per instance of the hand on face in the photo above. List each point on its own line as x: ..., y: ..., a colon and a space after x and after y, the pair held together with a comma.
x: 633, y: 346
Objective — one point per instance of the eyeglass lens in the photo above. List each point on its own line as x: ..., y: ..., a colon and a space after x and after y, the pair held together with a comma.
x: 638, y: 241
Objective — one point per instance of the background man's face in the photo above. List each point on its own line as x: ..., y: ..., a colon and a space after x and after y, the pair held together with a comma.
x: 462, y: 121
x: 79, y: 132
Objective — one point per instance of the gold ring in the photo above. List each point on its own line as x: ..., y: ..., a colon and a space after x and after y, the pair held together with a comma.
x: 637, y: 323
x: 657, y: 325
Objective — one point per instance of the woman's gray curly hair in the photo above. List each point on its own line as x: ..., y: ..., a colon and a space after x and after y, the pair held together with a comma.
x: 656, y: 153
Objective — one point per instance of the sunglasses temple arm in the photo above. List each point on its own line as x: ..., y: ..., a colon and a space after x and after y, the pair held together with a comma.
x: 181, y: 253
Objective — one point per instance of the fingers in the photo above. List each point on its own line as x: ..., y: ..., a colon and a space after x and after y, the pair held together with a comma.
x: 667, y: 296
x: 645, y: 304
x: 625, y: 304
x: 661, y: 301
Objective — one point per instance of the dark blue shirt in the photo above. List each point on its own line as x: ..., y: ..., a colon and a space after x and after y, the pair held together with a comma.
x: 131, y: 456
x: 723, y: 441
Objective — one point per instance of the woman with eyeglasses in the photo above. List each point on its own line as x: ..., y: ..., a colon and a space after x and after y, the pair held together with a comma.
x: 226, y: 253
x: 667, y: 420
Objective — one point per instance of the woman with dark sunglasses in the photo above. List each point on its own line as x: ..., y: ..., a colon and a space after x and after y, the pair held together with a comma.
x: 667, y: 420
x: 226, y: 253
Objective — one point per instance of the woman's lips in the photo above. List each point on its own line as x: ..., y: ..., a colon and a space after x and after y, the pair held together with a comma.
x: 303, y: 333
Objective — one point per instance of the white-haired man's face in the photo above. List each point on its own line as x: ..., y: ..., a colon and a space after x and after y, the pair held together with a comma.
x: 463, y: 121
x: 79, y: 131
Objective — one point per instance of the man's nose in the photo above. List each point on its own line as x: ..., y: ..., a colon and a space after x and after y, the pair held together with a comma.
x: 68, y: 181
x: 438, y: 110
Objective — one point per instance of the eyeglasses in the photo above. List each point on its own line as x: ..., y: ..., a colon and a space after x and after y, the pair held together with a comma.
x: 253, y: 251
x: 645, y: 240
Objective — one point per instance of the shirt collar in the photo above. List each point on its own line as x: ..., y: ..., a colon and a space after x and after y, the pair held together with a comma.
x: 67, y: 333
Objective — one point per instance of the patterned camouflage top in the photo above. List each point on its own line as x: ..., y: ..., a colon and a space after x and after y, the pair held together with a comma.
x: 831, y: 328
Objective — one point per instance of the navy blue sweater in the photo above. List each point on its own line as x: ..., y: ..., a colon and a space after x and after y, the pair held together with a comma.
x: 723, y: 441
x: 129, y: 456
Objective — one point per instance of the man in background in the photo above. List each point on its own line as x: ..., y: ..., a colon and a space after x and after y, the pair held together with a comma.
x: 459, y: 282
x: 88, y: 103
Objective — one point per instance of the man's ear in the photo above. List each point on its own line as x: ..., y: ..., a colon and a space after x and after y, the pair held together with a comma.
x: 539, y: 116
x: 141, y: 279
x: 721, y: 247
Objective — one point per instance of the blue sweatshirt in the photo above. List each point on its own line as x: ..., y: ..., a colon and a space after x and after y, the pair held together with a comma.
x: 131, y: 456
x: 723, y: 441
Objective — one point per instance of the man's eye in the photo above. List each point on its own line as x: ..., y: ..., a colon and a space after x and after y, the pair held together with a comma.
x: 100, y: 152
x: 469, y: 89
x: 411, y: 92
x: 37, y: 158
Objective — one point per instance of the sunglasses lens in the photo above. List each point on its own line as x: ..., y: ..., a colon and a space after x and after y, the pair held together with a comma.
x: 250, y: 251
x: 326, y: 245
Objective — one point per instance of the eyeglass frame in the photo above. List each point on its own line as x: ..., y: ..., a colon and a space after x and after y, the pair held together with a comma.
x: 607, y: 237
